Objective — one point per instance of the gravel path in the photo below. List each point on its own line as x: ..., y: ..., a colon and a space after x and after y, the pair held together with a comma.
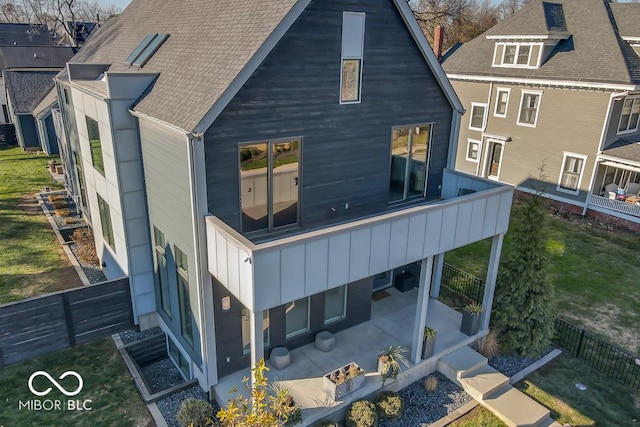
x: 132, y: 335
x: 169, y: 405
x: 423, y: 408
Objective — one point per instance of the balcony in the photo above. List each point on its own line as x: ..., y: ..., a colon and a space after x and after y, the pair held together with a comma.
x: 268, y: 274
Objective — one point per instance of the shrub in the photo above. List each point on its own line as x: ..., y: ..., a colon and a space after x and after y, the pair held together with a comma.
x: 389, y: 405
x: 330, y: 424
x: 430, y: 383
x: 86, y: 251
x: 362, y: 413
x: 52, y: 198
x: 69, y: 220
x: 59, y: 204
x: 62, y: 212
x: 194, y: 412
x: 488, y: 346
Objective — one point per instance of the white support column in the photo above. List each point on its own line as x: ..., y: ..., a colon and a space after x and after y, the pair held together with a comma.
x: 490, y: 285
x: 421, y: 309
x: 438, y: 266
x: 257, y: 340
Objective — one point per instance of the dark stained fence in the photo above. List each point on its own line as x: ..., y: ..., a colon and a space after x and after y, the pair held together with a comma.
x: 53, y: 322
x: 601, y: 355
x: 462, y: 282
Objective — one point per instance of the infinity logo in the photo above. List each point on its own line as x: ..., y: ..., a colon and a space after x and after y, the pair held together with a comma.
x: 55, y: 383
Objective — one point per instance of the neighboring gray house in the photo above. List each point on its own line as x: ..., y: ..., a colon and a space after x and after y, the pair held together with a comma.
x: 259, y: 178
x: 556, y: 85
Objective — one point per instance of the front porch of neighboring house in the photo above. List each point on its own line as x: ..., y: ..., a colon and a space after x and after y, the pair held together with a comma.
x: 392, y: 322
x: 616, y: 189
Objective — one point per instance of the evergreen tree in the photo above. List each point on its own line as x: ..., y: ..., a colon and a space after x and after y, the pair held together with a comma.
x: 523, y: 304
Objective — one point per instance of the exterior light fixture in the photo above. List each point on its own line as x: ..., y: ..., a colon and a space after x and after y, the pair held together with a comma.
x: 226, y: 303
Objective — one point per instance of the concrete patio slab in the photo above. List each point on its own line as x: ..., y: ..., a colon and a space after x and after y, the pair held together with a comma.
x: 516, y: 409
x: 460, y: 362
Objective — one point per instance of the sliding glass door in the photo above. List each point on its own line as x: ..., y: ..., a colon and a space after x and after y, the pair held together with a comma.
x: 269, y: 190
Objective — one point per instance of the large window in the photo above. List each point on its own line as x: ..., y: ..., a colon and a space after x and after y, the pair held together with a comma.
x: 246, y: 330
x: 629, y: 116
x: 96, y: 147
x: 269, y: 184
x: 335, y: 304
x: 105, y: 222
x: 529, y: 108
x: 162, y: 274
x: 517, y: 55
x: 502, y: 102
x: 478, y: 116
x: 186, y: 316
x: 571, y: 175
x: 178, y: 358
x: 297, y: 317
x: 409, y: 159
x: 352, y: 53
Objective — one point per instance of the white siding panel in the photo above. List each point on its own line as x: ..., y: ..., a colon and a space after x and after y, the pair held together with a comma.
x: 135, y: 207
x: 137, y: 232
x: 292, y: 264
x: 246, y: 279
x: 223, y: 265
x: 127, y: 146
x: 145, y: 304
x: 503, y: 215
x: 398, y: 244
x: 477, y: 220
x: 140, y: 256
x: 143, y: 283
x: 233, y: 269
x: 212, y: 249
x: 491, y: 213
x: 463, y: 224
x: 448, y: 234
x: 432, y: 234
x: 359, y: 268
x: 316, y: 263
x: 267, y: 268
x: 380, y: 240
x: 130, y: 176
x: 415, y: 244
x: 338, y: 259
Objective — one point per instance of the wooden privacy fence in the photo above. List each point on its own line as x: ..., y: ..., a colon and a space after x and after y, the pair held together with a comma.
x: 53, y: 322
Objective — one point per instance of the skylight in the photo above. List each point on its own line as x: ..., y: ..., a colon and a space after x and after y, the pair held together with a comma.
x: 147, y: 47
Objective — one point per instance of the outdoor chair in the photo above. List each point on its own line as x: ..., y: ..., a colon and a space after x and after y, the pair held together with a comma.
x: 610, y: 190
x: 633, y: 189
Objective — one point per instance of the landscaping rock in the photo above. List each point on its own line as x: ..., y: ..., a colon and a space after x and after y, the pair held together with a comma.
x: 169, y: 405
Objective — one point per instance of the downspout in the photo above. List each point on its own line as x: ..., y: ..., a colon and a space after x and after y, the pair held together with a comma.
x: 603, y: 137
x: 199, y: 241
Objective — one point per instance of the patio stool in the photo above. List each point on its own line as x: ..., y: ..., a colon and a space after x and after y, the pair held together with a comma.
x: 280, y: 358
x: 325, y: 341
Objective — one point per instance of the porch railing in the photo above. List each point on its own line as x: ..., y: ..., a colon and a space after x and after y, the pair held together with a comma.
x: 462, y: 282
x: 616, y: 205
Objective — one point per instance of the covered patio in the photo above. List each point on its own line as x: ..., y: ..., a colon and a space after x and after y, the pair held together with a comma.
x: 392, y: 319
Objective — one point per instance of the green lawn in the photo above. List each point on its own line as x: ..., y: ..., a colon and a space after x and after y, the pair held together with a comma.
x: 605, y: 402
x: 478, y: 417
x: 595, y: 273
x: 107, y: 383
x: 30, y: 257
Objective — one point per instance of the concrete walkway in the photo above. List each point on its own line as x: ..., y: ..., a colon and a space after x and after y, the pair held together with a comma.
x: 491, y: 389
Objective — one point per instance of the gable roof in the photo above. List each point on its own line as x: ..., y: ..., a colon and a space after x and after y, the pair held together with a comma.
x: 49, y: 101
x: 24, y: 35
x: 628, y: 149
x: 34, y: 56
x: 591, y: 50
x: 212, y: 49
x: 627, y: 16
x: 25, y: 89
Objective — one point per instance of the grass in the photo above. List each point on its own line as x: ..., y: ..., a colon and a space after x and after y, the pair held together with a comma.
x: 107, y: 383
x: 29, y: 252
x: 478, y: 417
x: 604, y: 402
x: 595, y: 273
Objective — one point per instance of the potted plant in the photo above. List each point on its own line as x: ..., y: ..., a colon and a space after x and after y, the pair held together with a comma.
x: 471, y: 319
x: 389, y: 361
x: 428, y: 342
x: 343, y: 380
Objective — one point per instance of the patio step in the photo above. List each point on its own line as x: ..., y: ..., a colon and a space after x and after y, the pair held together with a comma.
x: 481, y: 382
x: 460, y: 363
x: 516, y: 409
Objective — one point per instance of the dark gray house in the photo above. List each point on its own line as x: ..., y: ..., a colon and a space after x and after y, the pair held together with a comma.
x: 259, y: 178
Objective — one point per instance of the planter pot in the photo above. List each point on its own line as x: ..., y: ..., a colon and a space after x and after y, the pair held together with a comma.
x: 428, y: 348
x: 337, y: 391
x: 470, y: 323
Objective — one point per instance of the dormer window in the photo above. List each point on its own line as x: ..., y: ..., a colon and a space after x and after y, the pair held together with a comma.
x: 517, y: 54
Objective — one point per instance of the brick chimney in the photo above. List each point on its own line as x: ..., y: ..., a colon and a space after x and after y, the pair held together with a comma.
x: 438, y: 36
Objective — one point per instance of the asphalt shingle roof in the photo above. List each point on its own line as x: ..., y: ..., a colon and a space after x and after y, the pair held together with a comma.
x: 593, y: 52
x: 209, y: 43
x: 627, y: 16
x: 24, y: 35
x: 624, y: 149
x: 26, y: 89
x: 34, y: 56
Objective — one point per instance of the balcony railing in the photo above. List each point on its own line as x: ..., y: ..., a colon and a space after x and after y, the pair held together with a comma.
x: 632, y: 209
x: 268, y: 274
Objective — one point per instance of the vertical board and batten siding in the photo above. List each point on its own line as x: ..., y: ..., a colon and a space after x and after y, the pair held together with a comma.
x: 28, y: 131
x: 166, y: 166
x: 345, y: 149
x: 53, y: 322
x: 568, y: 120
x: 281, y: 271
